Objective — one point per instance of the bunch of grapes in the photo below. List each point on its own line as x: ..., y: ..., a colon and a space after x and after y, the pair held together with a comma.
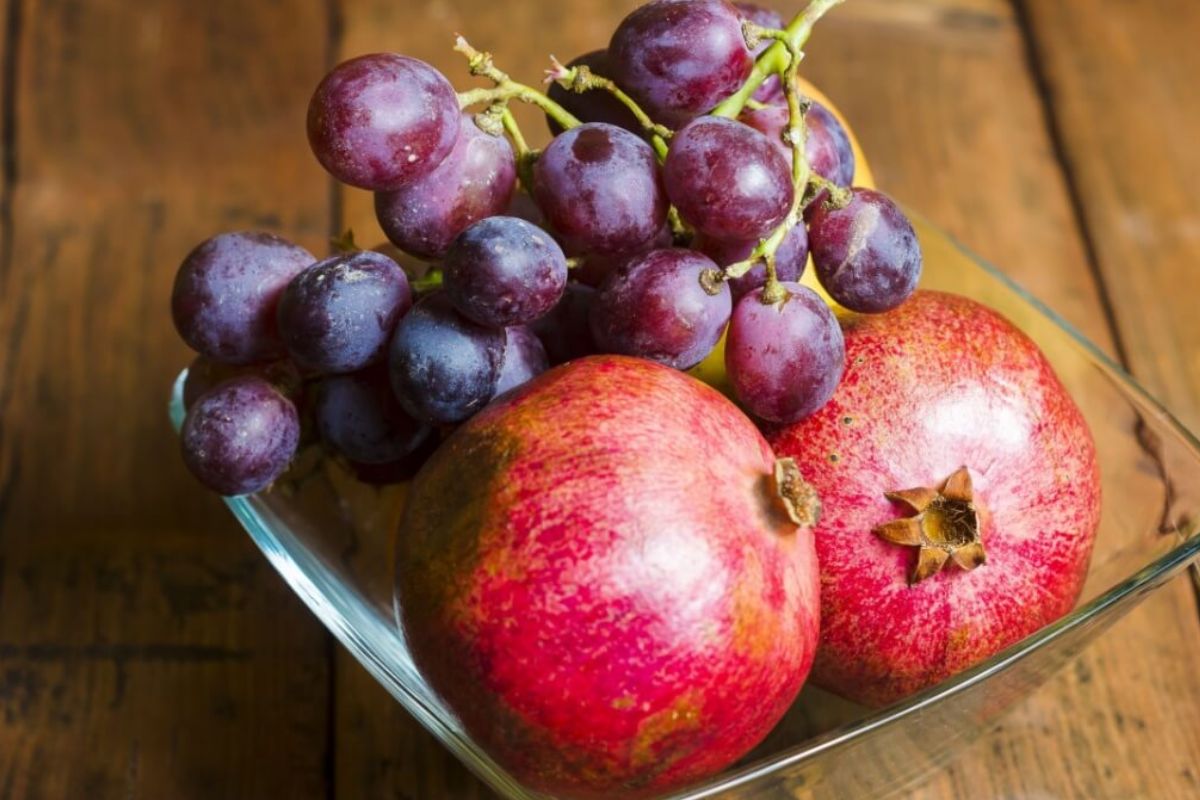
x: 687, y: 184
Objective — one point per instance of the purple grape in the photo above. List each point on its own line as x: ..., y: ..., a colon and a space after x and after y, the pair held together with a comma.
x: 594, y: 105
x: 444, y: 367
x: 654, y: 307
x: 566, y: 332
x: 727, y: 179
x: 475, y: 181
x: 383, y: 120
x: 866, y: 255
x: 784, y: 359
x: 600, y: 189
x: 359, y: 417
x: 679, y: 58
x: 226, y: 291
x: 240, y: 436
x: 765, y: 18
x: 338, y: 315
x: 396, y: 471
x: 595, y: 268
x: 524, y: 207
x: 826, y: 144
x: 790, y: 259
x: 204, y: 373
x: 504, y: 271
x: 524, y: 359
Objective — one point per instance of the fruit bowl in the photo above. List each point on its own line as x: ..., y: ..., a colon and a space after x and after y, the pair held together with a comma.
x: 330, y: 537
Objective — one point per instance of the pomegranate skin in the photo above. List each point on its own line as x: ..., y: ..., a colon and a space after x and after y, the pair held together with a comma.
x: 595, y: 575
x: 939, y: 383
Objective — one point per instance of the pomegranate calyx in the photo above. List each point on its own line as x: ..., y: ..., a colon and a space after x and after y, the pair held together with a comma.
x: 945, y: 526
x: 797, y: 495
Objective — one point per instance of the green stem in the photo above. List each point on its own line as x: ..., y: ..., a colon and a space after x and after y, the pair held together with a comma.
x: 581, y: 79
x: 775, y: 59
x: 480, y: 63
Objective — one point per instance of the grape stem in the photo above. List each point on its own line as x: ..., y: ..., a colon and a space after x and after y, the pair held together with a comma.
x: 776, y: 58
x: 796, y: 135
x: 581, y: 79
x: 480, y: 63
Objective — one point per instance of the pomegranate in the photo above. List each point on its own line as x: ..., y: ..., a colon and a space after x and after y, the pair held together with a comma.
x: 600, y: 575
x: 960, y: 496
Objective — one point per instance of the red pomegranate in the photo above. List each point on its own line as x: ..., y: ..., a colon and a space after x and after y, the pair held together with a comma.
x: 598, y: 575
x: 960, y: 497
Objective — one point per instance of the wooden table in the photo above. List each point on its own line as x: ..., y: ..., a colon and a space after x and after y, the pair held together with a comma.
x: 147, y: 650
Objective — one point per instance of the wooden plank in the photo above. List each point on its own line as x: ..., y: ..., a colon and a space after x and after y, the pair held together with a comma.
x: 1122, y: 78
x: 940, y: 93
x: 146, y: 648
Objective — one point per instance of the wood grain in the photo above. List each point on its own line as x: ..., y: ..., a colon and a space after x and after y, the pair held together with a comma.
x: 146, y: 648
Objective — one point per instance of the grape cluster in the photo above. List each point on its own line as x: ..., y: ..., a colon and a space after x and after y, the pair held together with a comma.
x: 669, y: 211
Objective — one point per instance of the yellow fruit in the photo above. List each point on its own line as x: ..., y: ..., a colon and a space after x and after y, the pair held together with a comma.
x: 712, y: 369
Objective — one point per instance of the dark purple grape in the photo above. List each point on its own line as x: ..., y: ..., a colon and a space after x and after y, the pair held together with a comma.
x: 595, y: 268
x: 866, y: 255
x: 679, y: 58
x: 396, y: 471
x: 566, y: 332
x: 524, y: 358
x: 359, y: 417
x: 654, y: 307
x: 826, y: 144
x: 475, y: 181
x: 338, y: 315
x: 600, y: 189
x: 594, y: 105
x: 790, y: 259
x: 204, y: 373
x: 240, y: 436
x: 727, y: 179
x: 382, y: 120
x: 444, y: 367
x: 504, y: 271
x: 524, y: 207
x: 784, y: 359
x: 226, y: 291
x: 765, y: 18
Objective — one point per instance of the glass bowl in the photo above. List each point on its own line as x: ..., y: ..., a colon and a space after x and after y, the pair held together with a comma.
x: 330, y: 538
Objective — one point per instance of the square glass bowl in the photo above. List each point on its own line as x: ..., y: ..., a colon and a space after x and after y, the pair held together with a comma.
x: 330, y: 538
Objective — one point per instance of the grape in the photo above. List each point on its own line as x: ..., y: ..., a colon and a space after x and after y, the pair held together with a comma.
x: 524, y: 359
x: 226, y: 291
x: 359, y: 417
x: 765, y: 18
x: 524, y: 207
x: 383, y: 120
x: 679, y: 58
x: 655, y: 307
x: 866, y: 255
x: 600, y: 189
x: 826, y: 144
x: 595, y: 268
x: 240, y: 436
x: 504, y: 271
x: 727, y: 179
x: 204, y: 373
x: 784, y: 359
x: 444, y: 368
x: 790, y: 259
x: 594, y: 105
x: 396, y: 471
x: 475, y: 181
x: 565, y: 332
x: 337, y: 315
